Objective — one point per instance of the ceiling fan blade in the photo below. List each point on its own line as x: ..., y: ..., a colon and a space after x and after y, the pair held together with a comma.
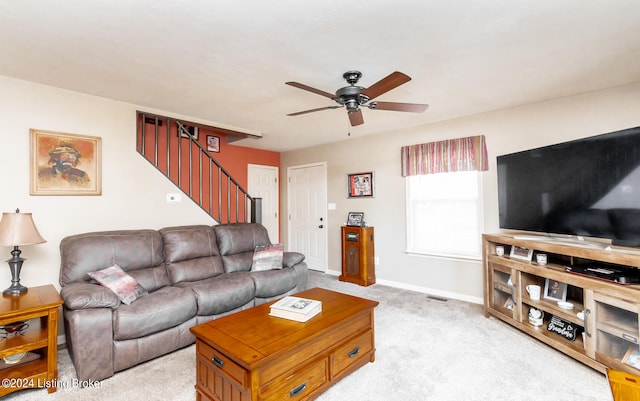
x: 310, y: 89
x: 387, y: 83
x: 355, y: 117
x: 312, y: 110
x: 393, y: 106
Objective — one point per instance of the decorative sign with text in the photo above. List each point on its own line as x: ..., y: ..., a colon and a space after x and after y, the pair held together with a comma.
x: 563, y: 328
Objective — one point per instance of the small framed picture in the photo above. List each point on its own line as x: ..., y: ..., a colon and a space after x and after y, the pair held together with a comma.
x: 518, y: 252
x: 355, y: 219
x: 555, y: 290
x: 213, y: 143
x: 191, y: 132
x: 360, y: 185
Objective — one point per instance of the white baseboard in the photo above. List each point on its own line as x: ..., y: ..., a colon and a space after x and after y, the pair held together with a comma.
x: 424, y: 290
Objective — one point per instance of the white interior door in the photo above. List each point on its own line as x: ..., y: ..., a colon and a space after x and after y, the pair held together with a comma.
x: 307, y: 210
x: 263, y: 183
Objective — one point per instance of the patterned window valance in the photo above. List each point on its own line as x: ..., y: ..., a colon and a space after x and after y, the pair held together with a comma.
x: 461, y: 154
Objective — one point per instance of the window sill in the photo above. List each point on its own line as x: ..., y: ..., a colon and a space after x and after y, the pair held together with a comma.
x: 444, y: 256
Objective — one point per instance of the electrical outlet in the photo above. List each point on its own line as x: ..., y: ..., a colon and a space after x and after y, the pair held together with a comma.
x: 174, y: 198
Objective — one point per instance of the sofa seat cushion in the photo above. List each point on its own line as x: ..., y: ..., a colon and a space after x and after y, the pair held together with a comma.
x: 223, y: 293
x: 270, y: 283
x: 160, y: 310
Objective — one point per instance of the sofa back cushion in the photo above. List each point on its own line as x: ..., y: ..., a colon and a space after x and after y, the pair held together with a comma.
x: 237, y: 242
x: 137, y: 252
x: 191, y: 253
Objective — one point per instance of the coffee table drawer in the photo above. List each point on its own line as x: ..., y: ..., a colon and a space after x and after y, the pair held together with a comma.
x: 226, y: 366
x: 352, y: 351
x: 297, y: 385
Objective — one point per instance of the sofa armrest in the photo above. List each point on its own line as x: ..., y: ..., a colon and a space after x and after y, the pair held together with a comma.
x: 86, y: 295
x: 290, y: 259
x: 89, y: 334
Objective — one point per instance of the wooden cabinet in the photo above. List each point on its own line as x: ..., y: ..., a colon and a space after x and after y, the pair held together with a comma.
x: 358, y: 255
x: 604, y: 314
x: 37, y: 312
x: 252, y: 356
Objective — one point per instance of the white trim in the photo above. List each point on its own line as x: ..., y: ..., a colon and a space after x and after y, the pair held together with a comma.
x: 424, y: 290
x: 457, y: 258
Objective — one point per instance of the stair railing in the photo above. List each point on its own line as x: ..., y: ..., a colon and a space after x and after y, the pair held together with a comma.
x: 179, y: 156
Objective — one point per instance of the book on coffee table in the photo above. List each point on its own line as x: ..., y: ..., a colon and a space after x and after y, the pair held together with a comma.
x: 295, y: 308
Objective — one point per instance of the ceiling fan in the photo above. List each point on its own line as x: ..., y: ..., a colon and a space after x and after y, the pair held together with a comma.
x: 353, y: 97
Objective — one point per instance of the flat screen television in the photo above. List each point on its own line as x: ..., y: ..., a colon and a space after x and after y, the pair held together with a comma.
x: 588, y: 187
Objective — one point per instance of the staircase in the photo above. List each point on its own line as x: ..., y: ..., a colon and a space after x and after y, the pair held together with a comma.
x: 172, y: 147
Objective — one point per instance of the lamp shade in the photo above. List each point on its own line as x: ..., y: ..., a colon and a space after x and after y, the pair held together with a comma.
x: 19, y: 229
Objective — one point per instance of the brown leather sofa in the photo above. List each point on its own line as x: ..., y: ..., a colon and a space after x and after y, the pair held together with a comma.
x: 193, y: 274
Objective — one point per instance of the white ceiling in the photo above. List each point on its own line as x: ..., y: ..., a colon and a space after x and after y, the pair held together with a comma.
x: 226, y: 61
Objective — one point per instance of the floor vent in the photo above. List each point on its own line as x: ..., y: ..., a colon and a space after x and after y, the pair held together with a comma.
x: 437, y: 298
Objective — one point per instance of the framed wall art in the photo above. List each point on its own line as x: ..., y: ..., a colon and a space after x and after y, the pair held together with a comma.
x: 355, y: 219
x: 213, y: 143
x: 191, y: 132
x: 65, y: 164
x: 360, y: 185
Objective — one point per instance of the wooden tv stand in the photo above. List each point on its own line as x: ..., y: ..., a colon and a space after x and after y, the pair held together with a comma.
x: 611, y: 311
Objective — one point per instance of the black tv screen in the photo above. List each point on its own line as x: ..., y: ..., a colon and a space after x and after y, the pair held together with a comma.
x: 588, y: 187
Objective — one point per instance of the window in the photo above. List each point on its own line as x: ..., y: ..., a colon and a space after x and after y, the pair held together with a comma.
x: 444, y: 214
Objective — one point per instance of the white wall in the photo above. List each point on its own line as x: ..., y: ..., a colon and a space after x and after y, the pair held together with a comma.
x: 506, y: 131
x: 133, y: 192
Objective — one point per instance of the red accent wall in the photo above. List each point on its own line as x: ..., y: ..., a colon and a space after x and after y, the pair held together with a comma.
x: 235, y: 159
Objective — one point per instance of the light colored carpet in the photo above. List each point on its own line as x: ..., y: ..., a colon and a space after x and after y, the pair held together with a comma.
x: 426, y: 349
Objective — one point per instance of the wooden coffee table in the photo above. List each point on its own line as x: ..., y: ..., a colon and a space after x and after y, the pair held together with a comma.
x: 253, y: 356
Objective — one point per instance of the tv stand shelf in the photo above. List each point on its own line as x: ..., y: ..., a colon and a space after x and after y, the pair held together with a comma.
x: 607, y: 333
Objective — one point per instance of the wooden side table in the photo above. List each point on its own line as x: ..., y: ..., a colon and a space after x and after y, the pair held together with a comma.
x: 38, y: 308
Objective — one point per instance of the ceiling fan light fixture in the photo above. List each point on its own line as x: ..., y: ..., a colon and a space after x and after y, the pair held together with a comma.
x: 351, y: 104
x: 352, y: 96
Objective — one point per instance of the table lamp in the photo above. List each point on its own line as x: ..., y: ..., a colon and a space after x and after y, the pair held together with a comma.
x: 17, y: 229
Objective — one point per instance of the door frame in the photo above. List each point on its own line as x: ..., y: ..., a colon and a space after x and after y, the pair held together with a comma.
x: 325, y: 190
x: 250, y: 168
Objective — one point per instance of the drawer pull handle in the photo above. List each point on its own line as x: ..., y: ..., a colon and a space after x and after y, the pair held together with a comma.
x: 298, y: 389
x: 629, y: 338
x: 217, y: 361
x: 354, y: 352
